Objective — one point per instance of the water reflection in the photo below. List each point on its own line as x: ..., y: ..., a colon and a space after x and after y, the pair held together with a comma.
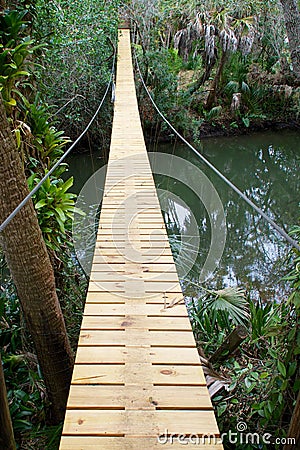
x: 265, y: 167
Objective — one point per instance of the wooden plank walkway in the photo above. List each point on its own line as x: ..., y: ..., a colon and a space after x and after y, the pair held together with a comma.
x: 137, y: 373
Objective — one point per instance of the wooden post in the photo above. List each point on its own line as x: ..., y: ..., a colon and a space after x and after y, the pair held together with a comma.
x: 294, y: 429
x: 7, y: 441
x: 230, y: 344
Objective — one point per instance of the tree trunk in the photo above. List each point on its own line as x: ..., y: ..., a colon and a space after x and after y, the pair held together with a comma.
x: 31, y: 270
x: 292, y: 24
x: 215, y: 84
x: 7, y: 441
x: 294, y: 429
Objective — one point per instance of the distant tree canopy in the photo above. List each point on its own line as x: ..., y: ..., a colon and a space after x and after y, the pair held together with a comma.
x: 219, y: 60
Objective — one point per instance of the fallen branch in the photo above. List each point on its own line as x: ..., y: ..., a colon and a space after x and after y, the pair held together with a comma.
x: 230, y: 344
x: 7, y: 441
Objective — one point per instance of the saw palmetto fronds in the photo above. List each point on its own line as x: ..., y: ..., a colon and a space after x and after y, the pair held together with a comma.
x: 231, y: 300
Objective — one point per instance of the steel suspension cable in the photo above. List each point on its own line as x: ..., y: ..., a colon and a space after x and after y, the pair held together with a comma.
x: 280, y: 230
x: 57, y: 164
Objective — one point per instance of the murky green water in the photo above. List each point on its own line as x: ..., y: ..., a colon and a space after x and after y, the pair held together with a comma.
x: 265, y: 167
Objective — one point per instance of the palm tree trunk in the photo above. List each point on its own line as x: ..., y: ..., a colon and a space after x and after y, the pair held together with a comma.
x: 292, y: 24
x: 215, y: 84
x: 294, y: 429
x: 7, y: 441
x: 31, y: 270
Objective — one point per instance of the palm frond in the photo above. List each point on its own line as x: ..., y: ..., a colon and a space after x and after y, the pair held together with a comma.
x: 230, y: 300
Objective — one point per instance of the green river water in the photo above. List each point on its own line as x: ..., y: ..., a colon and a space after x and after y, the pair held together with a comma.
x: 265, y: 167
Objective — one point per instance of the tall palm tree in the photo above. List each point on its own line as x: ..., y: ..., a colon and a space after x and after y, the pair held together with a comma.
x: 292, y: 24
x: 31, y: 270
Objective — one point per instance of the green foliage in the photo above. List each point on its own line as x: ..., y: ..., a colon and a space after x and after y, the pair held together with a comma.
x: 252, y: 38
x: 264, y: 374
x: 174, y: 60
x: 55, y: 209
x: 15, y: 51
x: 40, y: 143
x: 217, y: 313
x: 213, y: 113
x: 12, y: 26
x: 230, y: 301
x: 81, y: 36
x: 294, y: 275
x: 26, y: 391
x: 25, y: 388
x: 47, y: 141
x: 264, y: 319
x: 246, y: 121
x: 162, y: 78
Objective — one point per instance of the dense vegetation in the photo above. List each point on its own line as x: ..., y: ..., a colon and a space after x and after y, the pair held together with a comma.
x: 210, y: 66
x: 216, y: 66
x: 262, y: 378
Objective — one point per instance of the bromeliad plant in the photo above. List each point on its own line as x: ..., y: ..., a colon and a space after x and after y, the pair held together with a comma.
x: 16, y: 49
x: 55, y: 208
x: 38, y: 138
x: 39, y: 142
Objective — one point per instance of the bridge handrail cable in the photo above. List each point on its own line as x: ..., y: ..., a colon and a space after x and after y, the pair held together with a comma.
x: 57, y: 164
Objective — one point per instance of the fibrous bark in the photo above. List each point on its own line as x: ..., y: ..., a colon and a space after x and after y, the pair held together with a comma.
x: 292, y: 24
x: 32, y: 273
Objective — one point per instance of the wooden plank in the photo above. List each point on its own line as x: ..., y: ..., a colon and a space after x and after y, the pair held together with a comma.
x: 158, y: 286
x: 136, y: 443
x: 132, y: 234
x: 98, y: 374
x: 115, y: 297
x: 131, y: 239
x: 168, y: 267
x: 137, y: 373
x: 115, y: 276
x: 145, y: 259
x: 176, y: 375
x: 119, y: 354
x: 161, y: 397
x: 123, y: 322
x: 138, y: 423
x: 150, y: 286
x: 141, y: 226
x: 152, y: 310
x: 140, y: 258
x: 171, y: 375
x: 176, y: 338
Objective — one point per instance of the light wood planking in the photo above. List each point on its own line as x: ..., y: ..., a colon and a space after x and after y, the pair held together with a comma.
x: 172, y: 375
x: 139, y: 422
x: 123, y: 322
x: 132, y: 443
x: 115, y: 397
x: 137, y: 374
x: 115, y: 354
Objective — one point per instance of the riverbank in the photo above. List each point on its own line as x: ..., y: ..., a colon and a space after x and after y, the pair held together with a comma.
x: 208, y: 130
x: 224, y: 129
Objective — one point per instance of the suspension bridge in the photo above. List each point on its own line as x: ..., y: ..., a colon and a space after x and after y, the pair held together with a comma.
x: 137, y: 380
